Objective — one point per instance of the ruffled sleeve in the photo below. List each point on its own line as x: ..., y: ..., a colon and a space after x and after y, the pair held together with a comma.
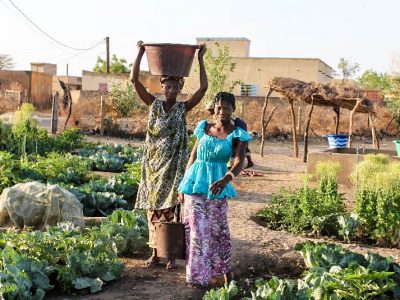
x: 241, y: 135
x: 200, y: 128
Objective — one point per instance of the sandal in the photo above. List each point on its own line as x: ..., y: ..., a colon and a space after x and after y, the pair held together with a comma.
x: 171, y: 265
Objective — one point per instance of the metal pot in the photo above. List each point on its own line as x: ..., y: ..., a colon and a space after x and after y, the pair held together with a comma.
x: 170, y: 59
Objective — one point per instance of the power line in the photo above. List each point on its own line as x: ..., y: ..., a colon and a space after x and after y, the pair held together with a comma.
x: 78, y: 54
x: 49, y: 36
x: 26, y: 23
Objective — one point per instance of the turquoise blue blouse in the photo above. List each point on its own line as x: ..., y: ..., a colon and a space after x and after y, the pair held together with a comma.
x: 213, y: 155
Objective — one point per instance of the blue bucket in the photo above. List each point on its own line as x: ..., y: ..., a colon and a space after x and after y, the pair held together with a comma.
x: 397, y: 143
x: 338, y: 140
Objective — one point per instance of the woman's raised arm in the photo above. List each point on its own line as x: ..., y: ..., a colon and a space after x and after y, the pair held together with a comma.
x: 199, y: 94
x: 146, y: 97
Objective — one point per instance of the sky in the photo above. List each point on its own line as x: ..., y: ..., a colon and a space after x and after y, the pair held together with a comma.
x: 364, y: 32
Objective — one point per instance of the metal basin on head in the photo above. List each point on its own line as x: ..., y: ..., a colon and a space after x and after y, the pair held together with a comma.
x: 170, y: 59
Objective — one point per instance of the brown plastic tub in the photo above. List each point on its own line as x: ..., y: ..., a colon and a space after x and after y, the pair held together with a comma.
x: 170, y: 59
x: 170, y: 239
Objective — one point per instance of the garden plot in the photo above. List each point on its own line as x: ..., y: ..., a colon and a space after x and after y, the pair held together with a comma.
x: 257, y: 250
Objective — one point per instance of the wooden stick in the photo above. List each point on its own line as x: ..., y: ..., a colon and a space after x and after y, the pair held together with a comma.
x: 375, y: 139
x: 306, y: 129
x: 337, y: 111
x: 359, y: 100
x: 295, y: 145
x: 263, y: 128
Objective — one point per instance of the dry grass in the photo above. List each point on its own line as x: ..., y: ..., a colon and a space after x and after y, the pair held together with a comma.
x: 325, y: 94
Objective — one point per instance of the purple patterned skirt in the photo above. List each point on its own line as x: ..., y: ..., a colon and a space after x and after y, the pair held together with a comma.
x: 208, y: 241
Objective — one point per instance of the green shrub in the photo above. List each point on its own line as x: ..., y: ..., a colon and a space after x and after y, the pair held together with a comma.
x: 308, y: 210
x: 378, y: 198
x: 124, y: 99
x: 68, y: 141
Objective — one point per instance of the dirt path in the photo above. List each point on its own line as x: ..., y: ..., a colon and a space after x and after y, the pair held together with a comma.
x: 257, y: 251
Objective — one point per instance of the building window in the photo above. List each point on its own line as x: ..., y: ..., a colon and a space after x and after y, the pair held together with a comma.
x: 248, y: 90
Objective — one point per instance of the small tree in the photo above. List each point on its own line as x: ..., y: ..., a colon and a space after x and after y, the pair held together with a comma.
x: 218, y: 69
x: 390, y: 87
x: 124, y: 99
x: 347, y: 69
x: 392, y: 97
x: 117, y: 65
x: 371, y: 79
x: 6, y: 62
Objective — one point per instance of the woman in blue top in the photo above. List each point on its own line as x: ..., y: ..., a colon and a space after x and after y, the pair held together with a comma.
x: 206, y: 188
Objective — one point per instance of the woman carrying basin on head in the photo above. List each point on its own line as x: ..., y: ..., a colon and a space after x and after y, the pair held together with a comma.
x: 165, y: 151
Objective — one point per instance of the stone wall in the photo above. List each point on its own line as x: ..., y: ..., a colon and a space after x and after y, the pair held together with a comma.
x: 11, y: 95
x: 86, y: 115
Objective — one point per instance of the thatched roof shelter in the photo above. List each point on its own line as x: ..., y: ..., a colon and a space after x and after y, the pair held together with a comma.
x: 322, y: 94
x: 325, y: 94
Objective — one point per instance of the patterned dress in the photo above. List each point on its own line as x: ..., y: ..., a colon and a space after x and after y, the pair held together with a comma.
x: 165, y: 157
x: 208, y: 242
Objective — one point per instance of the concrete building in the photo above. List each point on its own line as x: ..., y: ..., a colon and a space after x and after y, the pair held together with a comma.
x: 44, y: 68
x: 94, y: 81
x: 256, y: 72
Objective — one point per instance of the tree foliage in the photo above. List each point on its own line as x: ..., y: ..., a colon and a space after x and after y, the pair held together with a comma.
x: 389, y: 84
x: 347, y: 69
x: 6, y: 62
x: 373, y: 80
x: 124, y: 99
x: 392, y: 96
x: 218, y: 68
x: 117, y: 65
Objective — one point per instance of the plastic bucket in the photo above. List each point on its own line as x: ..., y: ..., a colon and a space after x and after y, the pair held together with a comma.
x: 170, y: 59
x: 170, y: 239
x: 397, y: 143
x: 338, y: 140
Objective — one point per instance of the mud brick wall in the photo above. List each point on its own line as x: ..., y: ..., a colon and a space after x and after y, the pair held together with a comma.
x: 87, y: 112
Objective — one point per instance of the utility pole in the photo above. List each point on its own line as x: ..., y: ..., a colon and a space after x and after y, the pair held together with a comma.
x: 107, y: 55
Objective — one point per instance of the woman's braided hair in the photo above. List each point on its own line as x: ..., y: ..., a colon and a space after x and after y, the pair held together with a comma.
x: 221, y: 97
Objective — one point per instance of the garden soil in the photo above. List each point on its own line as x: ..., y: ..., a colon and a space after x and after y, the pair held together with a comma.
x: 257, y: 251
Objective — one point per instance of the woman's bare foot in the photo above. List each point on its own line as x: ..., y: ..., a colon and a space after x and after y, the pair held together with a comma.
x: 171, y: 264
x: 152, y: 261
x: 228, y: 277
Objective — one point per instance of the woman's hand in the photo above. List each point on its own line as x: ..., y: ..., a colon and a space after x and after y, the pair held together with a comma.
x: 202, y: 50
x: 181, y: 198
x: 218, y: 186
x: 140, y: 46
